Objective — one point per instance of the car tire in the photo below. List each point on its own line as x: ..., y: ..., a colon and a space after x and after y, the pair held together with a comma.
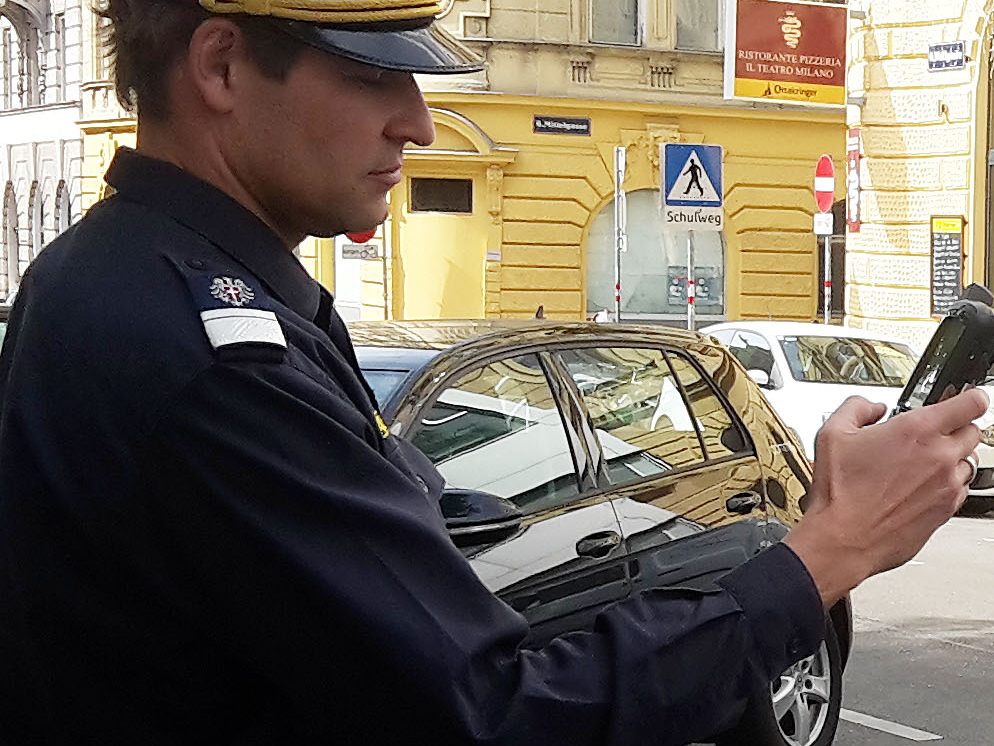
x: 799, y: 694
x: 975, y: 506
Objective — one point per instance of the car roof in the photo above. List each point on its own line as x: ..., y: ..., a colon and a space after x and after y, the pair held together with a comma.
x: 394, y: 358
x: 801, y: 329
x: 444, y: 335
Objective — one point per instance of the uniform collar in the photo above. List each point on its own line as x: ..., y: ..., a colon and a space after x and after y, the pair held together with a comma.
x: 217, y: 217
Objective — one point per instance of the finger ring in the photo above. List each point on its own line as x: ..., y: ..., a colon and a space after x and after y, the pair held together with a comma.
x: 974, y: 466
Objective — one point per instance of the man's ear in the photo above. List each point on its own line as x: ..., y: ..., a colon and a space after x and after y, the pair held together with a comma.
x: 215, y: 55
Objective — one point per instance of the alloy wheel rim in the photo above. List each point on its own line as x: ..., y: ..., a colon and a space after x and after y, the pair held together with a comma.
x: 802, y: 697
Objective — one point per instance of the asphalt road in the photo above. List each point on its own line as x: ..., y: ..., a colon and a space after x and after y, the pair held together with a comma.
x: 923, y: 666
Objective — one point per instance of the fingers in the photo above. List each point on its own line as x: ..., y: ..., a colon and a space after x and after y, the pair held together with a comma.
x: 857, y: 412
x: 965, y: 441
x: 964, y: 473
x: 951, y: 415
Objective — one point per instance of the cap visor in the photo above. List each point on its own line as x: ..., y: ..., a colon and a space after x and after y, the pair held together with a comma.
x: 419, y: 50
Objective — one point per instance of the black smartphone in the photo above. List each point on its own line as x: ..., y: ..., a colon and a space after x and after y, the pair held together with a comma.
x: 958, y: 356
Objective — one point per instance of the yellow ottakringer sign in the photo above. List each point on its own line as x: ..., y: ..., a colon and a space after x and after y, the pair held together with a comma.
x: 947, y: 225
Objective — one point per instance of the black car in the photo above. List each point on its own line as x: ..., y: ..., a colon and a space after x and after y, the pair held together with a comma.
x: 587, y: 462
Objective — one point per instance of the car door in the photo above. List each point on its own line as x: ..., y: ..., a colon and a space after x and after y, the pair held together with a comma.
x: 503, y: 427
x: 680, y: 468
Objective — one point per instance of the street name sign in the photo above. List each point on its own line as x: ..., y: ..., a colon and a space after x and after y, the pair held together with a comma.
x: 824, y: 224
x: 360, y: 251
x: 548, y: 125
x: 693, y: 187
x: 946, y: 56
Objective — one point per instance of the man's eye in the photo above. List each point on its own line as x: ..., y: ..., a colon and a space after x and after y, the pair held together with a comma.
x: 370, y: 78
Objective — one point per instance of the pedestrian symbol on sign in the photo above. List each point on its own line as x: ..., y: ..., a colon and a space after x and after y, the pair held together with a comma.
x: 695, y: 178
x: 693, y: 184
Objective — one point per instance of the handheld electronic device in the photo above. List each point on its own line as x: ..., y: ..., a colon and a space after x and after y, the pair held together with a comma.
x: 958, y: 356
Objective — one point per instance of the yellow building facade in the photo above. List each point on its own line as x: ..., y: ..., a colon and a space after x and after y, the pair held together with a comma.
x: 505, y: 213
x: 927, y: 152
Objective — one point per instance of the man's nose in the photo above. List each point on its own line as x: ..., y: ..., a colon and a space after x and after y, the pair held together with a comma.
x: 413, y: 122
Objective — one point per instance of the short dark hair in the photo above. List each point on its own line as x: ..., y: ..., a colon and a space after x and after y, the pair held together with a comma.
x: 145, y: 38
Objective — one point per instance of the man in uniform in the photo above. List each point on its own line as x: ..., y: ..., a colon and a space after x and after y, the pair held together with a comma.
x: 207, y: 535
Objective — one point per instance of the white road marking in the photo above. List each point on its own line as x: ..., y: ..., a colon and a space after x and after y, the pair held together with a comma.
x: 886, y: 726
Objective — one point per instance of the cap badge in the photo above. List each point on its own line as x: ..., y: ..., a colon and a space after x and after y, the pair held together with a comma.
x: 232, y: 291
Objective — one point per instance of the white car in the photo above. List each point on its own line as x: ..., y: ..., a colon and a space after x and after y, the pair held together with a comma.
x: 808, y: 370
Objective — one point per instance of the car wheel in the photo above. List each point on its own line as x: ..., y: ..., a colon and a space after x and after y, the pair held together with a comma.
x: 977, y: 506
x: 802, y: 706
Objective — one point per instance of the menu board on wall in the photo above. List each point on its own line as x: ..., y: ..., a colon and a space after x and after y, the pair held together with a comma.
x: 947, y: 263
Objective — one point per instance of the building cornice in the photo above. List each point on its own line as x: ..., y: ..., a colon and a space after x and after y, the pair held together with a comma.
x: 68, y: 105
x: 691, y: 105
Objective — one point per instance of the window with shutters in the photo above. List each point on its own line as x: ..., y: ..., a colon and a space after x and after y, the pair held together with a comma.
x: 615, y: 22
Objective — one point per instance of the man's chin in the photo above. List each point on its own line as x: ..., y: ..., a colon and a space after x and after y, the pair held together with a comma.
x: 355, y: 224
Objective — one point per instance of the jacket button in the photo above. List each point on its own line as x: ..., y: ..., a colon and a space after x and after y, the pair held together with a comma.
x: 196, y: 263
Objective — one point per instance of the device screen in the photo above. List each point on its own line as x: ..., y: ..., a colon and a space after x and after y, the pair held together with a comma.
x: 936, y: 357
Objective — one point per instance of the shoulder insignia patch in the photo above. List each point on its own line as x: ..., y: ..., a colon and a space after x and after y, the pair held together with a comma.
x: 232, y: 291
x: 238, y: 326
x: 240, y: 319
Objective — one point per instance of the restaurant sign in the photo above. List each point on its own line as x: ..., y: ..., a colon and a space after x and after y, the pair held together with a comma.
x: 786, y: 52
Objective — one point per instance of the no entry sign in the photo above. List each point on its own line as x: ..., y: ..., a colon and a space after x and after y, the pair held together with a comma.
x: 361, y: 236
x: 825, y: 184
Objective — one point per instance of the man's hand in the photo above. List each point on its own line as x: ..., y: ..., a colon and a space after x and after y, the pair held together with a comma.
x: 880, y: 490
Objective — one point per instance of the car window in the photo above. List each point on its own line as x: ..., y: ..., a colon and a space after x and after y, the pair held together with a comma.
x: 722, y: 335
x: 722, y: 436
x: 384, y: 383
x: 752, y: 350
x: 848, y: 360
x: 638, y: 412
x: 498, y: 429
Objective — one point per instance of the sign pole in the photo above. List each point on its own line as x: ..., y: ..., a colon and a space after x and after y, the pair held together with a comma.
x: 691, y: 285
x: 620, y: 227
x: 825, y: 222
x: 828, y: 279
x: 693, y: 200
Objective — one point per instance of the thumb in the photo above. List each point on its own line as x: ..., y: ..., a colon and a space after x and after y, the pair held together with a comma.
x: 857, y: 412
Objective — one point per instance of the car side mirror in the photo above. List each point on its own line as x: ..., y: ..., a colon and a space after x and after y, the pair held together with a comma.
x: 473, y: 517
x: 761, y: 377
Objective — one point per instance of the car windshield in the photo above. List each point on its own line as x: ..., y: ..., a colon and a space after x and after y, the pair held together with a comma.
x: 384, y: 383
x: 847, y: 360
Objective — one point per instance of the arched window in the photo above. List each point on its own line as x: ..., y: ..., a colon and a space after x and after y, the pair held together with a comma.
x: 11, y: 81
x: 21, y: 52
x: 58, y: 44
x: 9, y: 276
x: 36, y: 227
x: 63, y: 207
x: 101, y: 46
x: 654, y: 268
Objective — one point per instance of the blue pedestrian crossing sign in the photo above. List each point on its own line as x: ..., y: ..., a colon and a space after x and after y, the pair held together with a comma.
x: 693, y: 187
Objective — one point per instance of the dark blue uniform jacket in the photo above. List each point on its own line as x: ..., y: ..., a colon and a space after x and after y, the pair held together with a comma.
x: 205, y: 538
